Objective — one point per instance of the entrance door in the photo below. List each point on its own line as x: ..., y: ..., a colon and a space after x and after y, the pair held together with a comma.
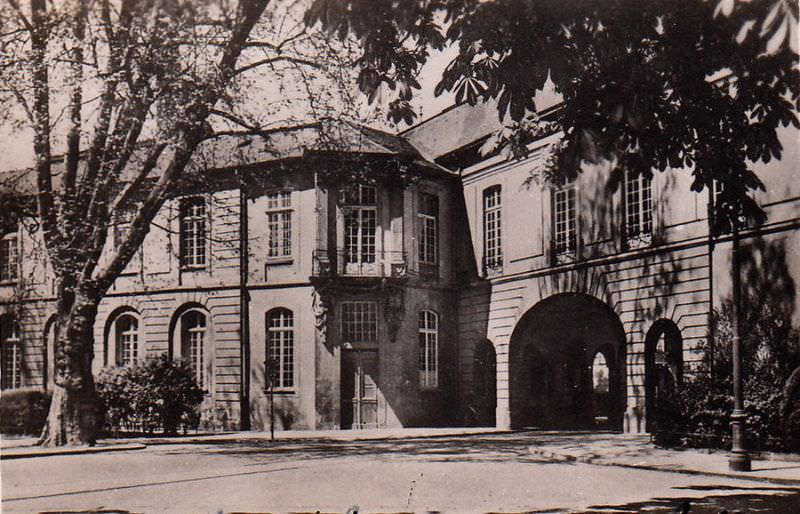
x: 360, y: 389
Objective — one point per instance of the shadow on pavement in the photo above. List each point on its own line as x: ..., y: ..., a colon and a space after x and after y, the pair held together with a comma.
x: 772, y: 502
x: 472, y: 448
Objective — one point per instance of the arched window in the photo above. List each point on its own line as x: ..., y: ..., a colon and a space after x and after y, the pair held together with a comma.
x: 428, y: 350
x: 11, y: 349
x: 280, y: 348
x: 193, y: 339
x: 127, y: 340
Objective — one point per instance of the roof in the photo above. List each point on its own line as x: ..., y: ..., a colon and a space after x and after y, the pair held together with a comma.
x: 464, y: 124
x: 227, y: 152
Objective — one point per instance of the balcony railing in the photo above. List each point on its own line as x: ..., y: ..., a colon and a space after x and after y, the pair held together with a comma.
x: 492, y: 266
x: 345, y: 263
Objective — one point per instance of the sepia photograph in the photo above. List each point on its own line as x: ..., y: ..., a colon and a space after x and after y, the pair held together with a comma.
x: 400, y: 256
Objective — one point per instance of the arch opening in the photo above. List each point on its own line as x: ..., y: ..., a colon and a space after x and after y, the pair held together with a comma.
x: 663, y: 366
x: 567, y: 365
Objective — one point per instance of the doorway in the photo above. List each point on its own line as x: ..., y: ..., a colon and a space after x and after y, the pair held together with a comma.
x: 359, y: 389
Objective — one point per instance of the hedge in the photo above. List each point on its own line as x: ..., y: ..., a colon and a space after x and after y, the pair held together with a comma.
x: 23, y: 411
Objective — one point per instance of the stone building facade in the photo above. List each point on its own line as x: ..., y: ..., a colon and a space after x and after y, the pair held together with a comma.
x: 590, y: 296
x: 435, y: 286
x: 344, y: 292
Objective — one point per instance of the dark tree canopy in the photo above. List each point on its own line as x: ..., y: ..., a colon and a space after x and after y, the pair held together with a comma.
x: 647, y: 84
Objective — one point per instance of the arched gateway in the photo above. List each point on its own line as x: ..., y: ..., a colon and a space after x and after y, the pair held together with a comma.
x: 567, y: 365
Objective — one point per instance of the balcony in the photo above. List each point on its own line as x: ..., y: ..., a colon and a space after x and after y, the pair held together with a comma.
x: 492, y: 266
x: 344, y: 263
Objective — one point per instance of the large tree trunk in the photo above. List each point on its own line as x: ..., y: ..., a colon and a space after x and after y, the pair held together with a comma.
x: 72, y: 420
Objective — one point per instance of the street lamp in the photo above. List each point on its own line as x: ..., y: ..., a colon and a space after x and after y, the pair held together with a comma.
x: 739, y: 459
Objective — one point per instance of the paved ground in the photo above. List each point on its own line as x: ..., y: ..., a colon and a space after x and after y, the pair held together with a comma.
x: 406, y: 473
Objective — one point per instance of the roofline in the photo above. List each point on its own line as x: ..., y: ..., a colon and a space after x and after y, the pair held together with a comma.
x: 426, y: 120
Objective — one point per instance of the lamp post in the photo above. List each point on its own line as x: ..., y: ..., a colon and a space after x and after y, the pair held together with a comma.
x: 739, y: 459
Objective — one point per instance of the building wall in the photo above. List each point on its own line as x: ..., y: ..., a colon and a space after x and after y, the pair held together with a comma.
x: 157, y: 292
x: 676, y: 277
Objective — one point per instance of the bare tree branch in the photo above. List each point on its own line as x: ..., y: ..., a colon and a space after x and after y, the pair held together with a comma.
x: 24, y: 19
x: 264, y: 132
x: 280, y: 58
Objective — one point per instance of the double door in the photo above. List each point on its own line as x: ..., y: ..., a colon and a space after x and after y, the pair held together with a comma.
x: 360, y: 392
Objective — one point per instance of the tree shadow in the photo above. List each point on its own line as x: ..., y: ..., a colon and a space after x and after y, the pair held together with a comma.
x: 768, y: 500
x: 466, y: 448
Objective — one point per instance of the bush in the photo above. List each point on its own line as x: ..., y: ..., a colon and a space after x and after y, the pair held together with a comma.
x: 698, y: 413
x: 23, y: 411
x: 159, y: 394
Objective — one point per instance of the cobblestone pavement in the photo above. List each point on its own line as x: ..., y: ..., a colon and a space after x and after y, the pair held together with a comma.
x: 424, y: 472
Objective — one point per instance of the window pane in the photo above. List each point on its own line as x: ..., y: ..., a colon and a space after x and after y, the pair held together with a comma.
x: 10, y: 354
x: 8, y: 259
x: 193, y: 342
x: 359, y: 322
x: 565, y: 220
x: 492, y: 228
x: 428, y: 349
x: 127, y: 340
x: 280, y: 347
x: 193, y: 232
x: 428, y: 224
x: 638, y: 205
x: 279, y: 224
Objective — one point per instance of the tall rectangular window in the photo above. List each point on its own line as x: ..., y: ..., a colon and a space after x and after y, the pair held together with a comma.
x: 11, y: 353
x: 638, y: 209
x: 492, y: 229
x: 280, y: 348
x: 428, y: 350
x: 565, y: 223
x: 193, y: 232
x: 359, y: 322
x: 360, y: 226
x: 428, y: 217
x: 279, y: 224
x: 9, y: 258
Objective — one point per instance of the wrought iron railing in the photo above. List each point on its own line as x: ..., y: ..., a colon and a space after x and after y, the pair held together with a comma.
x: 346, y: 263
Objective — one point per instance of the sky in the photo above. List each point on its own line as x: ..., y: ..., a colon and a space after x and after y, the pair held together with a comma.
x: 16, y: 150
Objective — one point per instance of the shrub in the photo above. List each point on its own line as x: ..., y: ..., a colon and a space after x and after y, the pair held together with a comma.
x: 23, y: 411
x: 159, y: 394
x: 698, y: 413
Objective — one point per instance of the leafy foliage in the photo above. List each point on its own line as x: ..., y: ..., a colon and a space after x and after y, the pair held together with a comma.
x: 646, y: 85
x: 23, y: 411
x: 698, y: 413
x: 159, y: 394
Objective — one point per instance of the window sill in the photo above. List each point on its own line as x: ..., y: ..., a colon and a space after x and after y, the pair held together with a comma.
x: 493, y: 272
x: 565, y: 257
x: 188, y: 269
x: 12, y: 282
x: 281, y: 392
x: 279, y: 260
x: 639, y: 241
